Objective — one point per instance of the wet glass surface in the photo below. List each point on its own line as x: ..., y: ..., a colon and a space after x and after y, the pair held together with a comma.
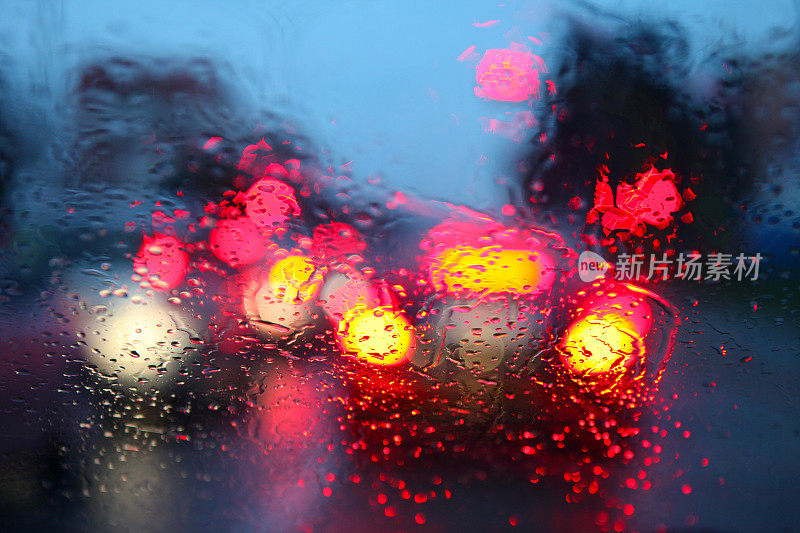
x: 336, y: 266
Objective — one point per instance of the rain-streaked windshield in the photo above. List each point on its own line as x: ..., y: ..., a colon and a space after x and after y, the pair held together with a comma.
x: 399, y: 266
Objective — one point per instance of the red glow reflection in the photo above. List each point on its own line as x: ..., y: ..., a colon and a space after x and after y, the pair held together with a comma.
x: 253, y: 160
x: 332, y: 242
x: 509, y: 74
x: 651, y: 201
x: 269, y: 202
x: 238, y: 242
x: 162, y: 262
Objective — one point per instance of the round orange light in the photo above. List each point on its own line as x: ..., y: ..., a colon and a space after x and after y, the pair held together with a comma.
x: 601, y: 344
x: 380, y: 335
x: 280, y: 303
x: 294, y: 278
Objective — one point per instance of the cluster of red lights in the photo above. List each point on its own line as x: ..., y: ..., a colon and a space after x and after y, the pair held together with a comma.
x: 599, y: 335
x: 281, y: 291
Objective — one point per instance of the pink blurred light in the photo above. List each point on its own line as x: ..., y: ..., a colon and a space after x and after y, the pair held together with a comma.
x: 509, y: 74
x: 238, y: 242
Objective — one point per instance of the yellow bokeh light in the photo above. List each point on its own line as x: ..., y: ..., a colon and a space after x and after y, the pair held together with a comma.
x: 490, y: 269
x: 601, y: 344
x: 380, y: 335
x: 294, y: 278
